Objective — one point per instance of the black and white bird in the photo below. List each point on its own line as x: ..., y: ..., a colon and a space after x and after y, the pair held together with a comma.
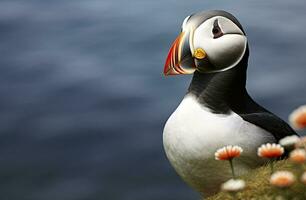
x: 217, y: 109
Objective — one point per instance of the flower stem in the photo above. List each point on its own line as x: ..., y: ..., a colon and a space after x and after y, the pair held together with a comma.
x: 234, y: 195
x: 271, y: 166
x: 301, y: 169
x: 232, y: 168
x: 286, y: 193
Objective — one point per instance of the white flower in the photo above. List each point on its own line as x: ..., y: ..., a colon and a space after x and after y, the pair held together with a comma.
x: 301, y: 143
x: 298, y: 118
x: 289, y: 141
x: 233, y: 185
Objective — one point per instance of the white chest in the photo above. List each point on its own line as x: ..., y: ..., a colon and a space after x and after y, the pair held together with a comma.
x: 192, y: 135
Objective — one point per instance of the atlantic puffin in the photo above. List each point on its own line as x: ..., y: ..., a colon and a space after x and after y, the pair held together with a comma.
x: 217, y: 109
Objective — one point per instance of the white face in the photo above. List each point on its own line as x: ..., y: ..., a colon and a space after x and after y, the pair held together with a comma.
x: 221, y: 39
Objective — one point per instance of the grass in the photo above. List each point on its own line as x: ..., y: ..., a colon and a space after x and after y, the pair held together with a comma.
x: 258, y: 187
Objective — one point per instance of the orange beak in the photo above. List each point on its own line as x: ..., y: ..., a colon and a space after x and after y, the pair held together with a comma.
x: 179, y: 59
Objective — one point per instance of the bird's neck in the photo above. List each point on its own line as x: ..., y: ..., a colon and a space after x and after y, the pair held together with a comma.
x: 222, y: 91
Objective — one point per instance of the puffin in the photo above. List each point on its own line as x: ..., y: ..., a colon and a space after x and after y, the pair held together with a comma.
x: 217, y: 110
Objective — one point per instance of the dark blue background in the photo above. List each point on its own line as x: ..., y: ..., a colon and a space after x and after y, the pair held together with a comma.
x: 83, y: 100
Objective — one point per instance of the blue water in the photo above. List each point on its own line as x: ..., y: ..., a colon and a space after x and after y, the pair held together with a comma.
x: 83, y: 100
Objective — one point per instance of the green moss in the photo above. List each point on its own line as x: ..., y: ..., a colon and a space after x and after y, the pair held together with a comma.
x: 258, y: 187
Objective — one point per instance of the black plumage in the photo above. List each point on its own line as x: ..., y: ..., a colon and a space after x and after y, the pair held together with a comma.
x: 225, y: 91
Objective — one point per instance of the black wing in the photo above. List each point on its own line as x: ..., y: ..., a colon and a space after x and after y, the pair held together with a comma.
x: 251, y: 112
x: 271, y: 123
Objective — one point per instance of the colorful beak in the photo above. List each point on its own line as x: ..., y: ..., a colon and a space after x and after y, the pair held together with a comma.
x: 180, y: 59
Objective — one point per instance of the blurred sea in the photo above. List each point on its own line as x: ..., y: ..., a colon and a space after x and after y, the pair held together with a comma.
x: 83, y: 100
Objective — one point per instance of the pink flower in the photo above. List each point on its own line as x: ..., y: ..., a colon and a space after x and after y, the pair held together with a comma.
x: 298, y: 156
x: 282, y: 179
x: 298, y: 118
x: 227, y: 153
x: 270, y: 150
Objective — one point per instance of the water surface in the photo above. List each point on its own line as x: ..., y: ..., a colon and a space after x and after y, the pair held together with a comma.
x: 83, y: 100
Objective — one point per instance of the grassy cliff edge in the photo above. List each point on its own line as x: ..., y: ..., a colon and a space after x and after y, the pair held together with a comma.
x: 259, y: 188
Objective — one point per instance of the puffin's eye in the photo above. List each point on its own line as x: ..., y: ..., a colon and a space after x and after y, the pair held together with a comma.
x: 216, y: 30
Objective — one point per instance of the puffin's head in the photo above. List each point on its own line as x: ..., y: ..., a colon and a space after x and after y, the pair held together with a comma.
x: 210, y: 41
